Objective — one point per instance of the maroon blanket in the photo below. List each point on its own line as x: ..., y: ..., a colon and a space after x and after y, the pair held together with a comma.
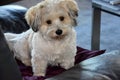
x: 82, y: 54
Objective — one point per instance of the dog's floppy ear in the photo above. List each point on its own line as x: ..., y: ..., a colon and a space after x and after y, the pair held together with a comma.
x: 73, y: 8
x: 33, y: 16
x: 30, y: 18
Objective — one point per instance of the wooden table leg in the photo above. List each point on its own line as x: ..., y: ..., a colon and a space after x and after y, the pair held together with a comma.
x: 96, y: 21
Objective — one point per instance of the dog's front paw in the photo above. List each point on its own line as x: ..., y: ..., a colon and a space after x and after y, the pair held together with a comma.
x: 39, y: 74
x: 67, y: 65
x: 27, y: 62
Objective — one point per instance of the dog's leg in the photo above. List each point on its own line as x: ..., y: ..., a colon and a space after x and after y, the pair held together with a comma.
x: 22, y: 52
x: 67, y: 63
x: 38, y: 64
x: 25, y: 58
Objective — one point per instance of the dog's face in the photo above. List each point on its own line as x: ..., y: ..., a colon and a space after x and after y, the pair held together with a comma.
x: 54, y: 19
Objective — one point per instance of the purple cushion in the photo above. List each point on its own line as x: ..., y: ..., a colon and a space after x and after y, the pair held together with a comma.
x: 82, y: 54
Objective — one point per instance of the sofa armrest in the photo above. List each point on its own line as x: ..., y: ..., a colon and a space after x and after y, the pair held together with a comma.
x: 8, y: 66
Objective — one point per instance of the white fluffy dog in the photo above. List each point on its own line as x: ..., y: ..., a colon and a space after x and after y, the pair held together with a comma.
x: 51, y: 39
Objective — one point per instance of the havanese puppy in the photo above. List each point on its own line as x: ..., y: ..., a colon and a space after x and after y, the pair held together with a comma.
x: 51, y: 38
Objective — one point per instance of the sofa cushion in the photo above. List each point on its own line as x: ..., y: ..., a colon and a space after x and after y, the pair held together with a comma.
x: 12, y: 18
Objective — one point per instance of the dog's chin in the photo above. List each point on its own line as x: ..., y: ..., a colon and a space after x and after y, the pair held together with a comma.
x: 60, y: 37
x: 53, y: 36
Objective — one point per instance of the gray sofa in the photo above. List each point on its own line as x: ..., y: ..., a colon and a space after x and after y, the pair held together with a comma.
x: 103, y: 67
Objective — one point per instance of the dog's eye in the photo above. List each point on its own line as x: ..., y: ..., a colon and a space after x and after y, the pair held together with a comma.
x: 61, y: 18
x: 49, y: 22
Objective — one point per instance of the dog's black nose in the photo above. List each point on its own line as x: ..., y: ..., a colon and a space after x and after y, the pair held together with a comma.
x: 59, y: 32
